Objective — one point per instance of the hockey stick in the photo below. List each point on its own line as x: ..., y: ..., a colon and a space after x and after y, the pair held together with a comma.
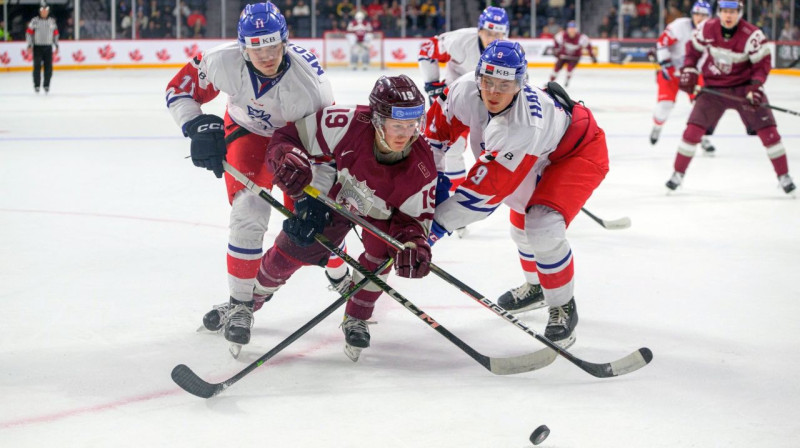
x: 498, y: 366
x: 630, y: 363
x: 740, y: 99
x: 614, y: 224
x: 190, y: 382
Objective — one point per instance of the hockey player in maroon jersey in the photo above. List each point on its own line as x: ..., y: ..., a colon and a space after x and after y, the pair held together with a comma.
x: 371, y: 159
x: 543, y: 156
x: 568, y: 49
x: 737, y: 64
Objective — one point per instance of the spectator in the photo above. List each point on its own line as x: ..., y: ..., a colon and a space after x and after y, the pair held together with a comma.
x: 606, y: 27
x: 197, y: 22
x: 3, y: 35
x: 345, y: 10
x: 374, y: 9
x: 789, y: 32
x: 301, y: 9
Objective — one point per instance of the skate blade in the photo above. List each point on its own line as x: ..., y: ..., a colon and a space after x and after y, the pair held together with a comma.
x: 566, y: 343
x: 203, y: 329
x: 531, y: 307
x: 352, y: 352
x: 462, y: 232
x: 235, y: 349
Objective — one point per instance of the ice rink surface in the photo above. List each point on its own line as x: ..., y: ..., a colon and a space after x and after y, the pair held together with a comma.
x: 113, y: 246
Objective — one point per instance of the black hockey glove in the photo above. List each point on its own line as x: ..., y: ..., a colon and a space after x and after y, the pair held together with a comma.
x: 311, y: 217
x: 434, y: 89
x: 665, y: 69
x: 443, y: 185
x: 208, y: 142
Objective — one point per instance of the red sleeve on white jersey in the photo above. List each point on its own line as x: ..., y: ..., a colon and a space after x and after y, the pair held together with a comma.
x: 191, y: 82
x: 441, y: 131
x: 429, y: 50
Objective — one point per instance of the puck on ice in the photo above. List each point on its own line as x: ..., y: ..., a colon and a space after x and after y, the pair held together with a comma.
x: 539, y: 434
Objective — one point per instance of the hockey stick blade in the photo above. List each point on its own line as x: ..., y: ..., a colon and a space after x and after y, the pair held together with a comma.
x: 613, y: 224
x: 184, y: 377
x: 622, y: 366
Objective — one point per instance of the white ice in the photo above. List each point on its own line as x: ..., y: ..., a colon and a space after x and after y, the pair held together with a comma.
x: 112, y: 247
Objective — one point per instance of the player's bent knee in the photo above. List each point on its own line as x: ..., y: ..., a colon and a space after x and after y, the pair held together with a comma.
x: 693, y: 134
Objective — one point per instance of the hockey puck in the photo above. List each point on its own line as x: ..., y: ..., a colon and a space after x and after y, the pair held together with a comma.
x: 539, y: 434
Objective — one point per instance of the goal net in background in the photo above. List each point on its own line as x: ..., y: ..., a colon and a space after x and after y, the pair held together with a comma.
x: 336, y: 48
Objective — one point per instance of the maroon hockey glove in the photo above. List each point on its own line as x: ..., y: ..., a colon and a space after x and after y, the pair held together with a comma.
x: 689, y: 76
x: 415, y: 260
x: 755, y: 93
x: 292, y: 170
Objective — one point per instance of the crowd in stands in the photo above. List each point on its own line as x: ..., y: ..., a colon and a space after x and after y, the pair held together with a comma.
x: 156, y: 19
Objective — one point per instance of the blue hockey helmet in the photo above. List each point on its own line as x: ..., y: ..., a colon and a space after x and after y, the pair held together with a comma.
x: 494, y: 19
x: 261, y: 25
x: 702, y: 8
x: 504, y: 60
x: 728, y: 4
x: 572, y: 24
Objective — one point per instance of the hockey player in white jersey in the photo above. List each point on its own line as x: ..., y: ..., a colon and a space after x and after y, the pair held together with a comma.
x: 460, y: 51
x: 269, y: 82
x: 359, y: 34
x: 670, y: 51
x: 541, y: 154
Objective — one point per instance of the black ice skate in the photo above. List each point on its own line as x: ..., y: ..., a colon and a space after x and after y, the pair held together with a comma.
x: 340, y: 285
x: 561, y: 325
x: 708, y: 148
x: 786, y: 183
x: 238, y: 324
x: 522, y: 298
x: 674, y: 181
x: 215, y: 319
x: 654, y: 134
x: 36, y: 89
x: 356, y: 336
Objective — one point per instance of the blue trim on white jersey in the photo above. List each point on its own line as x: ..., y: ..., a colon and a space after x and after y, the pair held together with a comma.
x: 473, y: 200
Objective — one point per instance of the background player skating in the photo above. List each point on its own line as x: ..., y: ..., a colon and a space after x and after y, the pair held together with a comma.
x: 269, y: 82
x: 371, y: 160
x: 568, y: 49
x: 670, y: 51
x: 737, y: 63
x: 460, y: 51
x: 543, y: 156
x: 359, y: 34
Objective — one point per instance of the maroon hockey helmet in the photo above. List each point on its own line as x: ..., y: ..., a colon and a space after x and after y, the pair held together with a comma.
x: 399, y: 98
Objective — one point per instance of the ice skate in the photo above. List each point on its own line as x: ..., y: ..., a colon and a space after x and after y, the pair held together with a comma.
x: 675, y: 181
x: 36, y: 89
x: 461, y: 232
x: 786, y: 184
x: 561, y: 325
x: 522, y: 298
x: 238, y: 325
x: 340, y: 285
x: 215, y: 319
x: 46, y: 90
x: 708, y: 148
x: 654, y: 134
x: 356, y: 336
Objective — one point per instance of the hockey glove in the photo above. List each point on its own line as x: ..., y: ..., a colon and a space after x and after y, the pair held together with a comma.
x: 292, y: 170
x: 208, y: 142
x: 443, y: 186
x: 666, y: 68
x: 689, y: 76
x: 434, y: 89
x: 414, y: 261
x: 311, y: 217
x: 755, y: 93
x: 437, y: 232
x: 594, y: 59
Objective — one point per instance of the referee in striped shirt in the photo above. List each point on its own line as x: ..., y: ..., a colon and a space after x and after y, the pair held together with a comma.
x: 42, y: 36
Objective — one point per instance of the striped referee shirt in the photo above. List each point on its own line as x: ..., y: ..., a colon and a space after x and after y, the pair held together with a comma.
x: 42, y: 32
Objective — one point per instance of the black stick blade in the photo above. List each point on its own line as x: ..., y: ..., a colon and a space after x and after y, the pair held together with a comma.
x: 190, y: 382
